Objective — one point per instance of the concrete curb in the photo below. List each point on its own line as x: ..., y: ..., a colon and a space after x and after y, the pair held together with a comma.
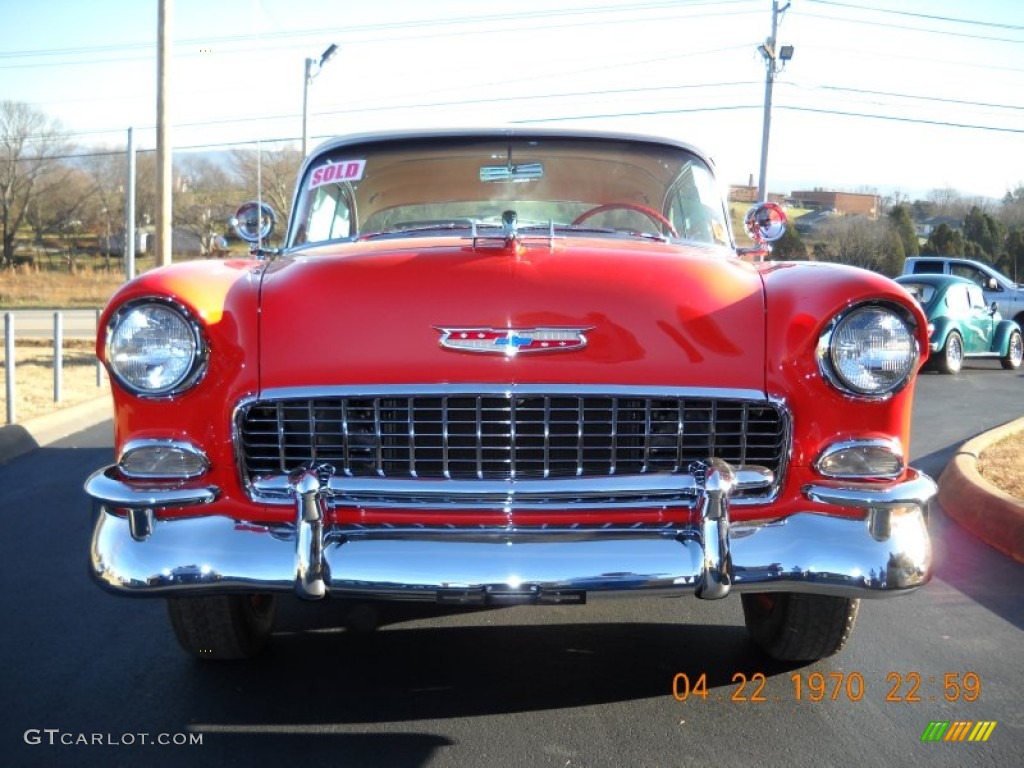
x: 18, y: 439
x: 995, y: 517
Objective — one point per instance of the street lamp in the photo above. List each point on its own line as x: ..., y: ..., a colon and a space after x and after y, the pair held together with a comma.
x: 771, y: 61
x: 307, y: 78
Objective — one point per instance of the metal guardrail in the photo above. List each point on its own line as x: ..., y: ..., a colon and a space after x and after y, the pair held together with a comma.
x: 57, y: 337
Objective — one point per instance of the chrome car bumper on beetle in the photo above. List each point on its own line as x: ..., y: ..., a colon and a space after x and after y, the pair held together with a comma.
x: 883, y: 552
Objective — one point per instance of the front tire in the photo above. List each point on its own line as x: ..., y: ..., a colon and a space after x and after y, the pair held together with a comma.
x: 791, y: 626
x: 222, y: 626
x: 1014, y: 353
x: 952, y: 358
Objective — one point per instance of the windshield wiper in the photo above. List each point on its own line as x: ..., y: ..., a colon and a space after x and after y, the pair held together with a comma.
x: 610, y: 231
x: 418, y: 228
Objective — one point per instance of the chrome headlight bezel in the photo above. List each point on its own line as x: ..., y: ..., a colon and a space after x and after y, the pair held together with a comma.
x: 192, y: 357
x: 900, y: 323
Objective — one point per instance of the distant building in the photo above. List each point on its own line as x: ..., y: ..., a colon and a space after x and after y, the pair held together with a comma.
x: 924, y: 228
x: 841, y: 202
x: 748, y: 194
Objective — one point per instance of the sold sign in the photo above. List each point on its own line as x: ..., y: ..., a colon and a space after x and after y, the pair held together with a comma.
x: 345, y: 170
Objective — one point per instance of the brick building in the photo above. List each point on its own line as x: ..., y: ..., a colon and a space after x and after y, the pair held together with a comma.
x: 843, y: 202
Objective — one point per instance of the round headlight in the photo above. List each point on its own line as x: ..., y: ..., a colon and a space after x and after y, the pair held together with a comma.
x: 155, y: 348
x: 870, y: 351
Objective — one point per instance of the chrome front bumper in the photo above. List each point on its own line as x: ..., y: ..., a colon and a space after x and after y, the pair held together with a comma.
x: 886, y: 551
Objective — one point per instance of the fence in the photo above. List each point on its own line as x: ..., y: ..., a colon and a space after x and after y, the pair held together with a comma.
x: 57, y: 339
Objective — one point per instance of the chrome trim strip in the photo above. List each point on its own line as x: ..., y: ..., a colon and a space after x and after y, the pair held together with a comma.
x: 374, y: 492
x: 106, y: 486
x: 413, y: 389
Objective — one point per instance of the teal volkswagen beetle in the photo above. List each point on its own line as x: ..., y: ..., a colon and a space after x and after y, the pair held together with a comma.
x: 961, y: 324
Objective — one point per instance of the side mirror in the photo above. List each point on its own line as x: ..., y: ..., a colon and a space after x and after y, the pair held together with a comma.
x: 993, y: 308
x: 765, y: 223
x: 254, y: 222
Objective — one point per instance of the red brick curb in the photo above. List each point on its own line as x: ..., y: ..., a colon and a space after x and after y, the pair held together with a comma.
x: 995, y: 517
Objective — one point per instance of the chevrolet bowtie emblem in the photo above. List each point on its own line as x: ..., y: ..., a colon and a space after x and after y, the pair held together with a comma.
x: 513, y: 341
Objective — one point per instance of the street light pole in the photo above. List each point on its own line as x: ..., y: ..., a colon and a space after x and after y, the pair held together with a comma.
x: 771, y: 62
x: 307, y: 78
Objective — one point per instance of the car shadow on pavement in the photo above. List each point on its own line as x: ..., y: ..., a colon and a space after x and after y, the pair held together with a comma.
x: 416, y: 673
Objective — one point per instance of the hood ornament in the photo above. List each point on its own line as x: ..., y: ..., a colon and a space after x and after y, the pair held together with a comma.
x: 513, y: 341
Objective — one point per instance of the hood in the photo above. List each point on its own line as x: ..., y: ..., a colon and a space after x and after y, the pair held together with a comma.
x: 371, y: 313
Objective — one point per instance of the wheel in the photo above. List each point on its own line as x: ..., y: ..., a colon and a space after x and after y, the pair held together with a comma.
x: 650, y: 213
x: 792, y: 626
x: 951, y: 359
x: 222, y: 626
x: 1014, y: 352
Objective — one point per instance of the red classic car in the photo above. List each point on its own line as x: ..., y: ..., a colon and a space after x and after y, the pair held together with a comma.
x: 503, y: 367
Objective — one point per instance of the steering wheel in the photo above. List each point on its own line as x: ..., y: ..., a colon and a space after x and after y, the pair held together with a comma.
x: 650, y: 213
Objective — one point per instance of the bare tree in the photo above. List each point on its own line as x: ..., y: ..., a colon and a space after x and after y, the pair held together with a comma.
x: 107, y: 170
x: 62, y: 209
x: 207, y: 197
x: 948, y: 202
x: 860, y: 242
x: 30, y: 148
x: 277, y: 170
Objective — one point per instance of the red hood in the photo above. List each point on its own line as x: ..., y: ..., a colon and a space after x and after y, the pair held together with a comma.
x: 370, y: 314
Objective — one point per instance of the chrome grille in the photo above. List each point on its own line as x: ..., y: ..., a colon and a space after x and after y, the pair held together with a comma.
x: 502, y: 436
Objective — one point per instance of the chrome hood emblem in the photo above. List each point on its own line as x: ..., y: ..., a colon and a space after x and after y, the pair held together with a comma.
x: 513, y: 341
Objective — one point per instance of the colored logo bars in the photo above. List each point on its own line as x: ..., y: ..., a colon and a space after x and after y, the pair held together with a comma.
x: 958, y: 730
x: 513, y: 341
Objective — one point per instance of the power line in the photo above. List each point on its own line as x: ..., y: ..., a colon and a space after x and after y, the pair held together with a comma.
x: 916, y: 57
x: 876, y: 24
x: 346, y: 33
x: 929, y: 16
x: 607, y: 92
x: 593, y: 116
x: 895, y: 118
x: 916, y: 97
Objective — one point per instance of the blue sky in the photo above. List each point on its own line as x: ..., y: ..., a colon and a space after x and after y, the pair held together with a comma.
x: 906, y: 95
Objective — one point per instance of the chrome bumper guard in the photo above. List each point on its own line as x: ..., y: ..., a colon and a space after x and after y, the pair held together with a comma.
x: 885, y: 552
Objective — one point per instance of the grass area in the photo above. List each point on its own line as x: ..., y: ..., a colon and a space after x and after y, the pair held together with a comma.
x: 28, y: 287
x: 33, y: 377
x: 1002, y: 464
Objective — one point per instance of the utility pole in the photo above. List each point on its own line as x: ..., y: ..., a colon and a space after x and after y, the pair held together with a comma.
x: 129, y: 211
x: 772, y: 56
x: 164, y: 151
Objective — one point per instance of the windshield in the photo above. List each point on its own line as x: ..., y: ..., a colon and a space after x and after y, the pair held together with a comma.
x: 608, y: 187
